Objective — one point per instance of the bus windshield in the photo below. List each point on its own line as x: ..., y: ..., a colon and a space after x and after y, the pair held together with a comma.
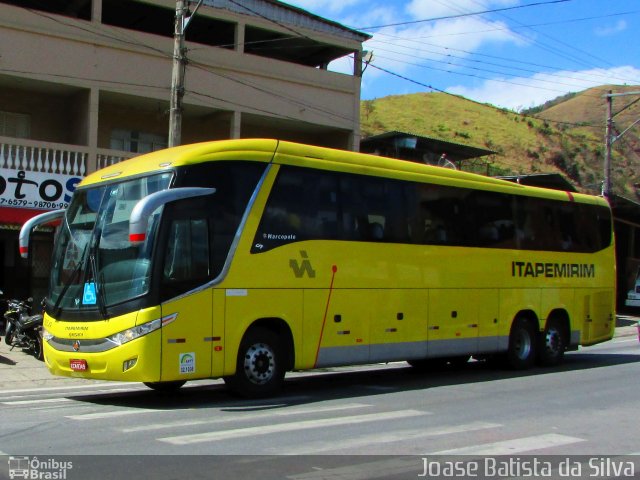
x: 95, y: 263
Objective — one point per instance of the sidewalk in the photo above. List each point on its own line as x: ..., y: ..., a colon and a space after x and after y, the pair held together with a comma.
x: 19, y: 370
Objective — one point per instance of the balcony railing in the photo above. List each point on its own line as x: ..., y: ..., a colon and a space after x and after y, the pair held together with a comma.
x: 55, y: 158
x: 19, y: 154
x: 104, y: 158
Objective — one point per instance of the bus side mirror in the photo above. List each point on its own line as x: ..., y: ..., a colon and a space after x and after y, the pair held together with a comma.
x: 29, y: 225
x: 139, y: 219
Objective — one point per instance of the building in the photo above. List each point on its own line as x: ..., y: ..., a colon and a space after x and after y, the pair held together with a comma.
x: 86, y: 83
x: 417, y: 148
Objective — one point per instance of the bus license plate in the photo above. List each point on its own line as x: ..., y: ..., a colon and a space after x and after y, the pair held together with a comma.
x: 78, y: 365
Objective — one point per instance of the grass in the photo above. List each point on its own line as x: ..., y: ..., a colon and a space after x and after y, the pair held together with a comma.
x: 567, y: 137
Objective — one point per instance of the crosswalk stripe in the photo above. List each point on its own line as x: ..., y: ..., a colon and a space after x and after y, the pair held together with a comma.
x: 38, y: 401
x: 61, y: 387
x: 516, y: 445
x: 288, y: 427
x: 396, y: 436
x: 246, y: 417
x: 113, y: 413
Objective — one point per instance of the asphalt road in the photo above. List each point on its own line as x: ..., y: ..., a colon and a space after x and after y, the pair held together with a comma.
x: 377, y: 421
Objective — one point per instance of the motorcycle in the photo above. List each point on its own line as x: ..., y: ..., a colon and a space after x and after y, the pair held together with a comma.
x: 23, y: 330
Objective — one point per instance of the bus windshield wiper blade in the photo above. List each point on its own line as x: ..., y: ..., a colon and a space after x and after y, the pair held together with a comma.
x: 98, y: 286
x: 56, y: 307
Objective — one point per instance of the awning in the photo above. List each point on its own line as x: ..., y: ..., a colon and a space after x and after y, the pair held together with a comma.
x: 17, y: 216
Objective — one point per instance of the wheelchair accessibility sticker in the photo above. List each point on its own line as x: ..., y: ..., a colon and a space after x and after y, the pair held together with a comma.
x: 89, y: 294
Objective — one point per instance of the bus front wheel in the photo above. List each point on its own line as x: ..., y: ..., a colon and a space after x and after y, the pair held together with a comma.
x: 260, y: 365
x: 521, y: 353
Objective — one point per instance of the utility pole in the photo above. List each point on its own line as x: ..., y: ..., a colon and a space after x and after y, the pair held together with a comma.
x: 610, y: 138
x: 183, y: 17
x: 608, y: 141
x: 177, y: 77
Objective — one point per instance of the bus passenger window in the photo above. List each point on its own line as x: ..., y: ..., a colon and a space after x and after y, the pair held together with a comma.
x: 187, y: 258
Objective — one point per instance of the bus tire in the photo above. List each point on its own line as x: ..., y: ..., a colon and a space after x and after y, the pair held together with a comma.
x: 521, y: 353
x: 552, y: 345
x: 165, y: 387
x: 260, y: 366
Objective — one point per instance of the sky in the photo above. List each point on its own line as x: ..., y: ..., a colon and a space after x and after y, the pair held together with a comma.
x: 514, y: 54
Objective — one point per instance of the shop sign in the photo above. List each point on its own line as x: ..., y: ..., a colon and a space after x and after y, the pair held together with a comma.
x: 42, y: 191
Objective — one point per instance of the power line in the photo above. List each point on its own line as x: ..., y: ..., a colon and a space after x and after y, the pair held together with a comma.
x: 486, y: 105
x: 559, y: 22
x: 275, y: 22
x: 491, y: 64
x: 292, y: 100
x: 88, y: 79
x: 499, y: 80
x: 576, y: 49
x: 460, y: 15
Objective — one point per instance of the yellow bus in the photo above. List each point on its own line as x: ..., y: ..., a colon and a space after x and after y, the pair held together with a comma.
x: 245, y: 259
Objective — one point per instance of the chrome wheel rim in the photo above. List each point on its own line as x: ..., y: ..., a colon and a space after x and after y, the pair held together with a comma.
x: 552, y: 341
x: 259, y: 363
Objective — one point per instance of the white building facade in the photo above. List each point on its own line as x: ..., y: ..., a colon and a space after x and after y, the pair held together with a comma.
x: 86, y: 83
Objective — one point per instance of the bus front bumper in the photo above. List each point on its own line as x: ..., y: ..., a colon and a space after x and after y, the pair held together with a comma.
x: 135, y: 361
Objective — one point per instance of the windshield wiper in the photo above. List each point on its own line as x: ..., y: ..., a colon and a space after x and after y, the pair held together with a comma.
x: 56, y: 307
x: 97, y: 285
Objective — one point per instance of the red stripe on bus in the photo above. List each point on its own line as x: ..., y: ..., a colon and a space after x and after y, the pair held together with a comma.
x: 334, y: 269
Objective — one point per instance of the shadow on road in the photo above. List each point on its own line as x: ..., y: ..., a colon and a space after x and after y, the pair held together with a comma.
x: 318, y: 386
x: 6, y: 361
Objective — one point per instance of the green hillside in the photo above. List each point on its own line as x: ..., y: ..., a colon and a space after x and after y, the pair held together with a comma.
x: 553, y: 138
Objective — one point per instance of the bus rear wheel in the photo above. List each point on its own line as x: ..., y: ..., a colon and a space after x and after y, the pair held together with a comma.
x: 260, y: 365
x: 521, y: 353
x: 553, y: 343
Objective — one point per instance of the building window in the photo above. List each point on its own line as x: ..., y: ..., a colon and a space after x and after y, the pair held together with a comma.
x: 136, y: 142
x: 17, y: 125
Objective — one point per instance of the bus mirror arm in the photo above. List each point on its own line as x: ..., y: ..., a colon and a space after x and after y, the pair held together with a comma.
x: 29, y: 225
x: 139, y: 219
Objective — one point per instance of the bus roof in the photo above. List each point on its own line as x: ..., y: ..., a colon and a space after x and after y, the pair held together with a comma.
x: 290, y: 153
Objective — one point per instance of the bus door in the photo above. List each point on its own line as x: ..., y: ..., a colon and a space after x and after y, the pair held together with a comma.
x: 458, y: 318
x: 187, y: 330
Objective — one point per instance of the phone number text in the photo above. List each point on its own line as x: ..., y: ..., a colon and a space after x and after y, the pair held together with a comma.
x: 14, y: 202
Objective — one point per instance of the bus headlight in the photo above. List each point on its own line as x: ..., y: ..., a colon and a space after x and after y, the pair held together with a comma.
x: 46, y: 335
x: 138, y: 331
